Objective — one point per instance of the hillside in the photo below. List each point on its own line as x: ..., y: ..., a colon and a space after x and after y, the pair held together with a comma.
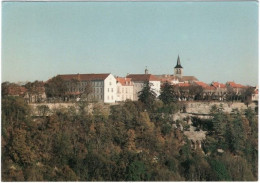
x: 127, y: 142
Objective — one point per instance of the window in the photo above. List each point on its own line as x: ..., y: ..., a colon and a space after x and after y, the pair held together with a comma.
x: 111, y: 89
x: 122, y: 90
x: 110, y: 83
x: 108, y: 90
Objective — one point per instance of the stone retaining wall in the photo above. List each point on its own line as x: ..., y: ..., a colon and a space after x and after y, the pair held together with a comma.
x: 204, y: 107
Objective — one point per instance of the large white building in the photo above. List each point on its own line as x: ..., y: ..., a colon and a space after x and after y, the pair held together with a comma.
x: 103, y: 86
x: 139, y: 80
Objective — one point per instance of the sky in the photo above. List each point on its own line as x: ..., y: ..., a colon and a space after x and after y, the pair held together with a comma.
x: 216, y: 41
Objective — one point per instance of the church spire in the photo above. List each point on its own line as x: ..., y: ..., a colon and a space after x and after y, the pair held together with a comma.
x: 178, y: 69
x: 178, y: 63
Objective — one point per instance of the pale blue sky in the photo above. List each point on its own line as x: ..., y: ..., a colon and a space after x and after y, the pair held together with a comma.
x: 216, y: 41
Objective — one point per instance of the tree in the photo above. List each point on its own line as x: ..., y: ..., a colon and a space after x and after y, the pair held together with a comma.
x: 87, y: 91
x: 147, y: 95
x: 35, y: 89
x: 136, y: 171
x: 247, y: 95
x: 5, y: 86
x: 231, y: 94
x: 195, y: 92
x: 43, y: 110
x: 167, y: 94
x: 55, y: 87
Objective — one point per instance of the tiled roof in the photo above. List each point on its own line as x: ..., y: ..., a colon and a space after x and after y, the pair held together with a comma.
x: 124, y: 81
x: 183, y: 84
x: 188, y: 78
x: 218, y: 85
x: 235, y: 85
x: 166, y: 78
x: 142, y: 77
x: 204, y: 85
x: 84, y: 77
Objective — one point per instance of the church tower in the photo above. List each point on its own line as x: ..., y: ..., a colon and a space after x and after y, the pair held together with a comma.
x: 178, y: 70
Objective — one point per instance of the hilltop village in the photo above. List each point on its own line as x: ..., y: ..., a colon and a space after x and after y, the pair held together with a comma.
x: 141, y: 127
x: 108, y: 88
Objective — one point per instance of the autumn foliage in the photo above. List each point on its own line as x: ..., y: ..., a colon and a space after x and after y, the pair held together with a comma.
x: 128, y: 143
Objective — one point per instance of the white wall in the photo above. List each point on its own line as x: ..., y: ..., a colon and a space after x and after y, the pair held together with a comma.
x: 124, y: 92
x: 138, y: 86
x: 110, y: 89
x: 156, y: 86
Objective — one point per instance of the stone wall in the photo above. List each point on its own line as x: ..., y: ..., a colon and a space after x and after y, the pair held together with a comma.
x: 204, y: 107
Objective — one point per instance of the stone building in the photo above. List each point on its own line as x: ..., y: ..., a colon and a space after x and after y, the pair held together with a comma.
x: 103, y: 86
x: 138, y: 81
x: 237, y: 88
x: 220, y: 91
x: 125, y: 89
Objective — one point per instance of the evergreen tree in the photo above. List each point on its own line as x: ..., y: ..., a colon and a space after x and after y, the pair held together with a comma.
x: 167, y: 94
x: 147, y: 95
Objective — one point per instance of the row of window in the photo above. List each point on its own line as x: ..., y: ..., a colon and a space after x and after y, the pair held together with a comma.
x: 124, y: 90
x: 110, y: 90
x: 97, y: 90
x: 83, y: 83
x: 108, y: 98
x: 99, y: 97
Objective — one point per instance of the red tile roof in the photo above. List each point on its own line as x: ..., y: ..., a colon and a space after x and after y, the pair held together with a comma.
x: 124, y: 81
x: 166, y: 78
x: 84, y: 77
x: 183, y: 84
x: 204, y: 85
x: 142, y: 77
x: 235, y: 85
x: 188, y: 78
x: 218, y: 85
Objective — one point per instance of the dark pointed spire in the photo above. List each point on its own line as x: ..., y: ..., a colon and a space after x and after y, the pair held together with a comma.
x: 178, y: 63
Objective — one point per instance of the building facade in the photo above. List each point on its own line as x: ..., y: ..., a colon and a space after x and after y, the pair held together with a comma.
x: 125, y: 89
x: 102, y: 86
x: 139, y: 80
